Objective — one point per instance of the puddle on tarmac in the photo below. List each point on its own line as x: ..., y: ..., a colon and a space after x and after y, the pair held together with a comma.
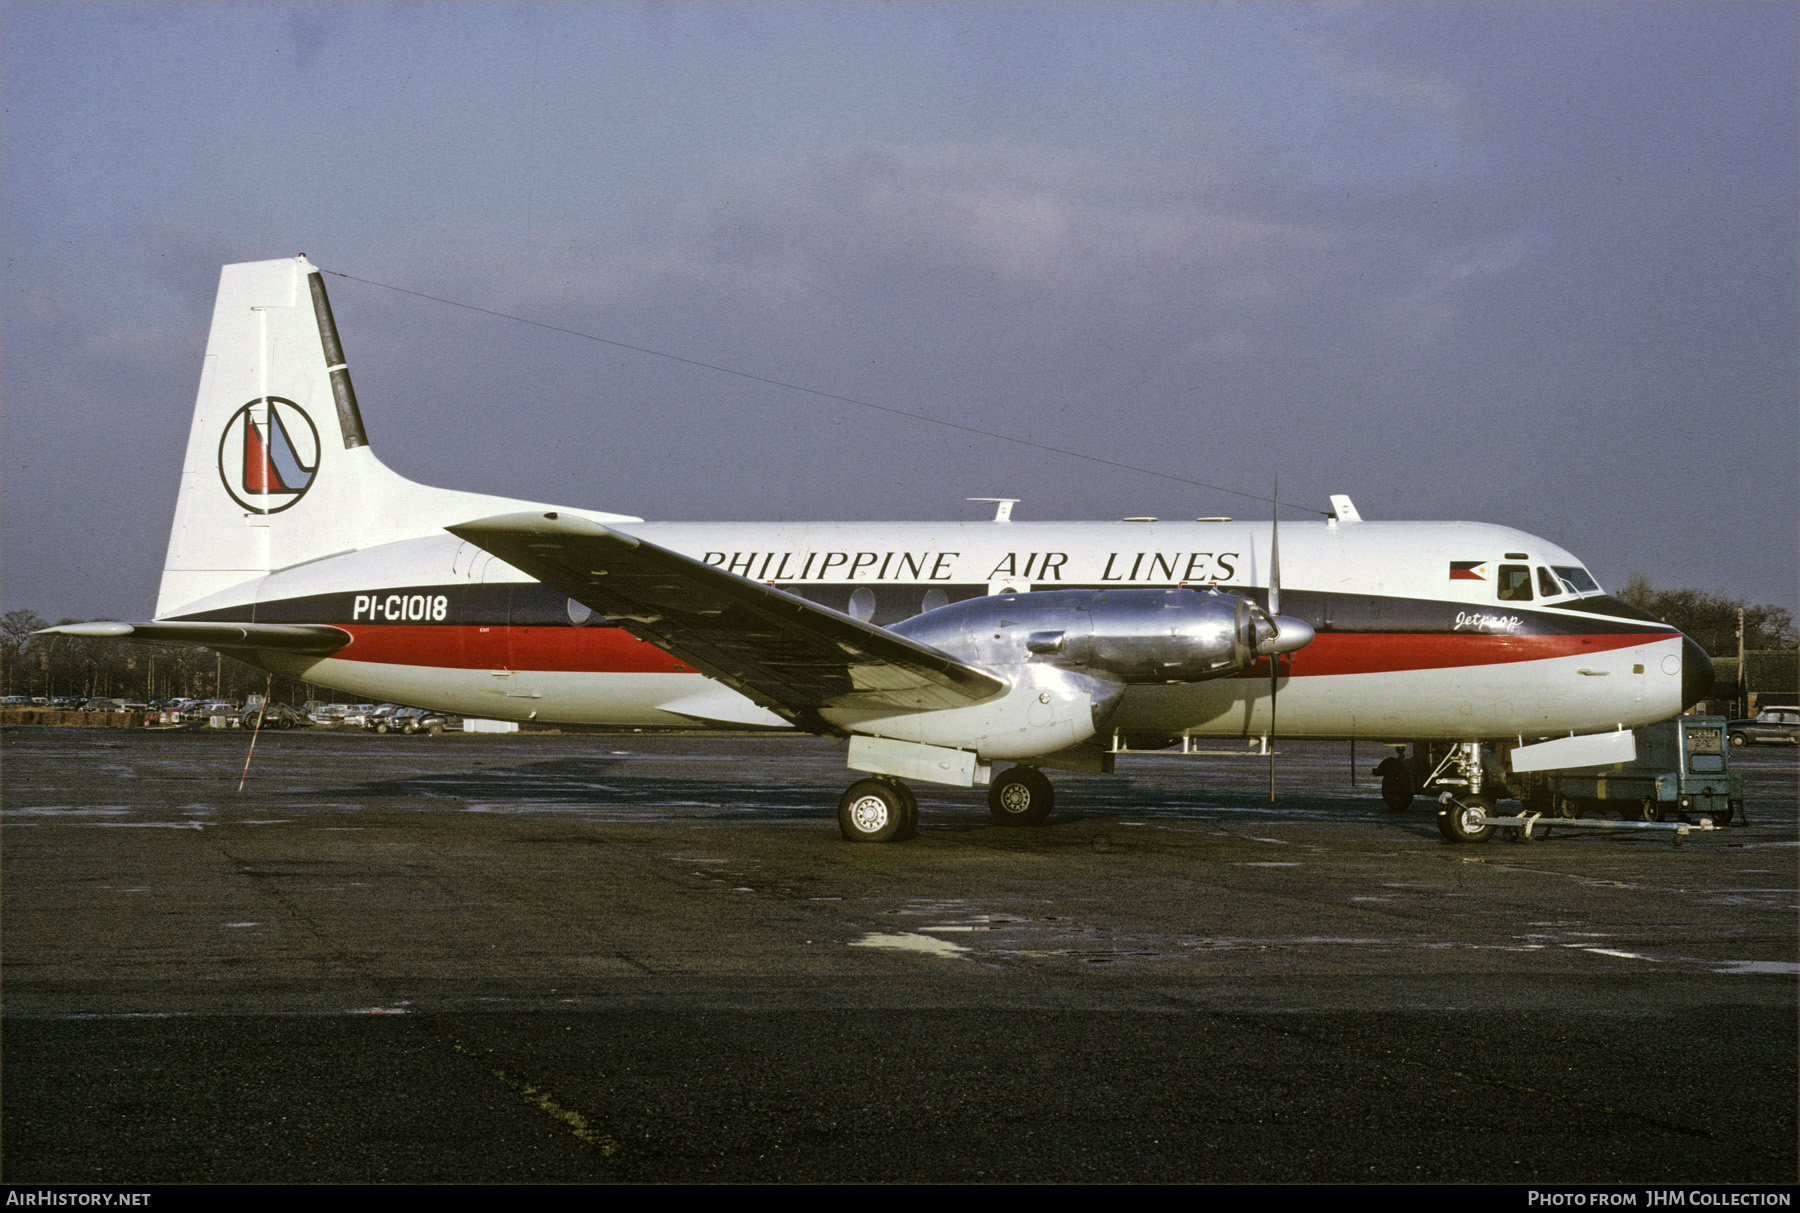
x: 910, y: 942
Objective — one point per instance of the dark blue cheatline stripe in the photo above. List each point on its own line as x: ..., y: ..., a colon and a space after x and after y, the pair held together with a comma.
x: 530, y: 604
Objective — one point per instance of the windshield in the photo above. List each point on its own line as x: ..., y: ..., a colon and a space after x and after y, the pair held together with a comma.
x: 1576, y: 579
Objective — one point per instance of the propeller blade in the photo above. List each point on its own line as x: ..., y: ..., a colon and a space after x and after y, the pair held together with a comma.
x: 1275, y: 550
x: 1274, y: 673
x: 1274, y: 611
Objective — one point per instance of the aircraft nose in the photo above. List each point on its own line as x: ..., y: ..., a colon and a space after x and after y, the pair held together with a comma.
x: 1290, y: 634
x: 1696, y: 673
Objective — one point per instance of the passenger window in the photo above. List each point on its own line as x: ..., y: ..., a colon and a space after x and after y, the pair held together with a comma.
x: 1515, y: 583
x: 1547, y: 587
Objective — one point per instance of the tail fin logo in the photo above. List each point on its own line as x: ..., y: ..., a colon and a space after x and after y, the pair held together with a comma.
x: 268, y: 455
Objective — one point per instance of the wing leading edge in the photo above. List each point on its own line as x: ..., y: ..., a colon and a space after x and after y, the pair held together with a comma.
x: 317, y: 639
x: 792, y: 656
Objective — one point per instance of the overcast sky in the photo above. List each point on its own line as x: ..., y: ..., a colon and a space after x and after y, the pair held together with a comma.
x: 1531, y: 264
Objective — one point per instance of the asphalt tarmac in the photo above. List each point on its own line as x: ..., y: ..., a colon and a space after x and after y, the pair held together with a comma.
x: 632, y: 958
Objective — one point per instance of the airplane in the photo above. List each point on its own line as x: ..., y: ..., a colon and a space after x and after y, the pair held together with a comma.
x: 933, y: 650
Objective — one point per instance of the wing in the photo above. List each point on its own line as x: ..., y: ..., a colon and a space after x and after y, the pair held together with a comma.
x: 314, y: 638
x: 792, y: 656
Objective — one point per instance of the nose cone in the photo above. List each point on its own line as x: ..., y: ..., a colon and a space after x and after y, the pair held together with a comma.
x: 1290, y: 634
x: 1696, y: 673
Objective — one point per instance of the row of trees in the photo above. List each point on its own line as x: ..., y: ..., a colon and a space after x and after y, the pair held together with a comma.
x: 54, y: 666
x: 1712, y: 619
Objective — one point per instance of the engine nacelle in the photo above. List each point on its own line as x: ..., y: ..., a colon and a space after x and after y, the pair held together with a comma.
x: 1047, y: 709
x: 1124, y: 635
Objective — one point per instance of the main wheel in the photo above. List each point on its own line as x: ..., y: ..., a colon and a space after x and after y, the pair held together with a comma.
x: 1651, y: 810
x: 1460, y: 820
x: 1021, y: 796
x: 909, y: 807
x: 872, y: 810
x: 1565, y: 807
x: 1397, y: 788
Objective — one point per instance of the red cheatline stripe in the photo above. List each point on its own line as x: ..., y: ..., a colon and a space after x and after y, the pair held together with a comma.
x: 1382, y: 654
x: 614, y: 651
x: 580, y: 650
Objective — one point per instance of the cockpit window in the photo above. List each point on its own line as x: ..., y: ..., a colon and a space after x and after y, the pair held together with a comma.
x: 1548, y: 586
x: 1577, y: 579
x: 1515, y: 583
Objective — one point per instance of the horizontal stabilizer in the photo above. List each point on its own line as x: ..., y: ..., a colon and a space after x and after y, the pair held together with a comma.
x: 781, y: 651
x: 315, y: 638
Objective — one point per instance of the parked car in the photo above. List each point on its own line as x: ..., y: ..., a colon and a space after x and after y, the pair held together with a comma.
x: 421, y: 720
x: 1777, y: 724
x: 103, y: 704
x: 381, y: 720
x: 203, y: 710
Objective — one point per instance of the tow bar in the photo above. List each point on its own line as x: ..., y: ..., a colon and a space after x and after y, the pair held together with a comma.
x: 1529, y: 827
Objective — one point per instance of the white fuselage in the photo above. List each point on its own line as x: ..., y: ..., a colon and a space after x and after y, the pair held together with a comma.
x: 1413, y: 640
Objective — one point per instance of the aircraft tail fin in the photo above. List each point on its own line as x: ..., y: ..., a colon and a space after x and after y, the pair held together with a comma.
x: 278, y: 469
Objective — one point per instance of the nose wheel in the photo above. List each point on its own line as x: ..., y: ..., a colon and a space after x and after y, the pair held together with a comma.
x: 1463, y: 818
x: 878, y: 810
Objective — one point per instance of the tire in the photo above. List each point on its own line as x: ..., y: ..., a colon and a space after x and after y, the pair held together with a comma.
x: 1456, y: 820
x: 1565, y: 807
x: 434, y: 729
x: 1652, y: 810
x: 1737, y: 739
x: 381, y: 728
x: 1397, y: 788
x: 909, y: 826
x: 1021, y: 796
x: 871, y: 810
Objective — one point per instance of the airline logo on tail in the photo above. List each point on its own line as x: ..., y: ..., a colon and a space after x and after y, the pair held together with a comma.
x: 268, y: 455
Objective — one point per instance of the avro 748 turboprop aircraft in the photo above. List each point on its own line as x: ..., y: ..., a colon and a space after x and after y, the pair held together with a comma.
x: 934, y: 649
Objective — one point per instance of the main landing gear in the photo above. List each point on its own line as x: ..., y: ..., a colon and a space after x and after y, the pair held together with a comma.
x: 880, y: 809
x: 1021, y: 796
x: 883, y: 809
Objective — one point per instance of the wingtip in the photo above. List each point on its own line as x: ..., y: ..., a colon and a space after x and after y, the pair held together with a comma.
x: 104, y: 628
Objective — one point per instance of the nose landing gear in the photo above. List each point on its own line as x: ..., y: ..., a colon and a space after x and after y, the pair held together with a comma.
x: 1464, y: 818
